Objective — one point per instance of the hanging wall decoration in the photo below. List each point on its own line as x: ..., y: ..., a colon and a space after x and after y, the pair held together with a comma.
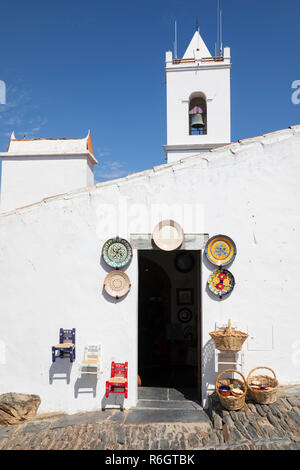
x: 185, y: 296
x: 189, y: 334
x: 185, y: 315
x: 117, y: 252
x: 117, y: 284
x: 221, y: 282
x: 184, y: 262
x: 168, y: 235
x: 220, y: 250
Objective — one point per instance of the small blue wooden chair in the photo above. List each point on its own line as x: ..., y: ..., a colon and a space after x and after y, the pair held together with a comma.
x: 66, y: 346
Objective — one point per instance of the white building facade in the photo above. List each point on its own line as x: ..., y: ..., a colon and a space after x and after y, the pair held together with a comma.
x: 33, y: 169
x: 52, y: 272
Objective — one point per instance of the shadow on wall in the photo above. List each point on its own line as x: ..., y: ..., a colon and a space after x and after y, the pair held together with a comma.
x: 114, y: 400
x: 209, y: 375
x: 60, y: 370
x: 112, y: 300
x: 87, y: 383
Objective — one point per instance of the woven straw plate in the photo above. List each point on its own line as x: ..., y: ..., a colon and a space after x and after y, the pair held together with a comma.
x: 168, y: 235
x: 117, y: 284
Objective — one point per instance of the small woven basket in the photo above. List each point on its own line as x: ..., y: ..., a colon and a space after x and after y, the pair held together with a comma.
x: 232, y: 403
x: 264, y: 397
x: 228, y: 339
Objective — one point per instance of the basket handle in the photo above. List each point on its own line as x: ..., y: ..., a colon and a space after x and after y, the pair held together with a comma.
x: 231, y: 370
x: 261, y: 367
x: 228, y: 329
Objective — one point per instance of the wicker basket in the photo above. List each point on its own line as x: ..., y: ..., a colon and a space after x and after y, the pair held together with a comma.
x: 264, y: 397
x: 232, y: 402
x: 228, y: 339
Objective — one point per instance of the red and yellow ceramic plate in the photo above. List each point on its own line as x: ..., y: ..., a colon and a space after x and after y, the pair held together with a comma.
x: 221, y: 282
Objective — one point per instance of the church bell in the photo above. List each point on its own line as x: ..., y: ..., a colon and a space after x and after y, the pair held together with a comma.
x: 197, y: 121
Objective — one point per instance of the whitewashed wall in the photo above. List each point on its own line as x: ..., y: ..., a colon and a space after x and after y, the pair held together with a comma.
x: 25, y: 180
x: 51, y: 275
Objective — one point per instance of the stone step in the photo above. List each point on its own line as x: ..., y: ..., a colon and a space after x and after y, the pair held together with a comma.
x: 167, y: 404
x: 139, y: 416
x: 162, y: 393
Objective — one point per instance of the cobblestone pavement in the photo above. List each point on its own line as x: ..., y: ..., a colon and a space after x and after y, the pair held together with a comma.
x: 257, y: 427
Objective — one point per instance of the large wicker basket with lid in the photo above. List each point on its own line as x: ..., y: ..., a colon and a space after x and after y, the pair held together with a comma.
x: 228, y: 339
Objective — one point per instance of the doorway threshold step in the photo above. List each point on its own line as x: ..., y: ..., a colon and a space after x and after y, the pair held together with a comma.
x: 153, y: 393
x: 167, y: 404
x: 164, y: 393
x: 139, y: 416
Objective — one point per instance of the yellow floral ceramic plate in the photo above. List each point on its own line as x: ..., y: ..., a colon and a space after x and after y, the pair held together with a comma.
x: 220, y: 250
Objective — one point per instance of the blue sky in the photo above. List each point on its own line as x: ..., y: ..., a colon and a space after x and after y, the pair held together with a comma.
x: 70, y: 66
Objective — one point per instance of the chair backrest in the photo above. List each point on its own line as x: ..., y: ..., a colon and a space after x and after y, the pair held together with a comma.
x: 119, y: 369
x: 92, y: 351
x: 66, y: 336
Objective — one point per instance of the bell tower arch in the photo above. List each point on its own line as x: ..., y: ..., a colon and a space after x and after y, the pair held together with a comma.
x: 198, y: 100
x: 197, y: 114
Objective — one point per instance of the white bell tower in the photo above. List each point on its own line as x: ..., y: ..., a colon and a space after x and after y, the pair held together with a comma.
x: 198, y: 100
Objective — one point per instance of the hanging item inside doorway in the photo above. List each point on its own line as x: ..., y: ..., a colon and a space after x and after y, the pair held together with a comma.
x: 185, y: 296
x: 117, y: 284
x: 221, y: 282
x: 184, y: 315
x: 168, y: 235
x: 189, y: 334
x: 220, y: 250
x: 184, y: 262
x: 117, y: 252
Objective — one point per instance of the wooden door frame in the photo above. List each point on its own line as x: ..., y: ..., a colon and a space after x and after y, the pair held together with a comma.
x: 199, y: 326
x: 198, y: 311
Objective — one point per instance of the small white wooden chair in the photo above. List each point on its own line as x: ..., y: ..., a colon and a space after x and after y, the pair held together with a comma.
x: 91, y: 362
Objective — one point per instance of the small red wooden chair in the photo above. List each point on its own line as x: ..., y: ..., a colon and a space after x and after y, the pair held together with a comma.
x: 118, y: 382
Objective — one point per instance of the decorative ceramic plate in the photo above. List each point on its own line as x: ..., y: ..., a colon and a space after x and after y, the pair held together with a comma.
x: 168, y: 235
x: 117, y: 284
x: 184, y: 262
x: 117, y: 252
x: 184, y: 315
x: 220, y: 250
x: 221, y: 282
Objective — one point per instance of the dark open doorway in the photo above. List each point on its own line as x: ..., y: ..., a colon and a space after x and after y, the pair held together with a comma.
x: 169, y: 320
